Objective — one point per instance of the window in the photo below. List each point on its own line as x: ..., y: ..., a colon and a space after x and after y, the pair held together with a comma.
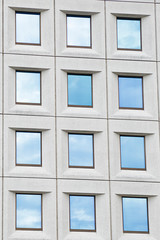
x: 81, y: 150
x: 129, y: 33
x: 28, y: 28
x: 131, y: 92
x: 135, y: 215
x: 28, y: 148
x: 28, y: 87
x: 28, y: 211
x: 132, y: 152
x: 79, y: 90
x: 82, y: 213
x: 78, y: 31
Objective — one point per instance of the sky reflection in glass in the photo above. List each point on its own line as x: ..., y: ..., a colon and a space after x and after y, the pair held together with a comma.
x: 28, y: 211
x: 81, y: 150
x: 135, y: 214
x: 79, y: 90
x: 130, y: 92
x: 28, y: 28
x: 28, y: 148
x: 132, y: 152
x: 78, y: 31
x: 28, y: 87
x: 129, y: 33
x: 82, y: 213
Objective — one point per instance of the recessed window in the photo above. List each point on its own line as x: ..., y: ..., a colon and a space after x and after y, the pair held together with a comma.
x: 135, y: 215
x: 78, y: 31
x: 82, y: 213
x: 28, y: 148
x: 27, y: 28
x: 129, y: 33
x: 28, y: 211
x: 131, y: 92
x: 28, y: 87
x: 79, y: 90
x: 81, y: 150
x: 132, y: 152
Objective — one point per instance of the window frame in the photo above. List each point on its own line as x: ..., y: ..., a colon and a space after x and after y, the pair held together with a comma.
x: 134, y: 169
x: 82, y: 106
x: 82, y: 230
x: 130, y: 108
x: 40, y: 32
x: 141, y: 232
x: 89, y: 167
x: 27, y: 165
x: 129, y: 18
x: 26, y: 103
x: 29, y: 229
x: 80, y: 16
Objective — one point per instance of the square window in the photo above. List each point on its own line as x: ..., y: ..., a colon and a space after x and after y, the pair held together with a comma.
x: 28, y: 211
x: 135, y: 215
x: 131, y: 92
x: 81, y: 150
x: 129, y: 33
x: 78, y: 31
x: 28, y: 87
x: 28, y: 28
x: 79, y: 90
x: 28, y: 148
x: 82, y: 213
x: 132, y: 152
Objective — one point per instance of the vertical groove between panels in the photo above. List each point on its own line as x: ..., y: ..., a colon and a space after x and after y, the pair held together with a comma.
x: 55, y: 119
x: 2, y: 154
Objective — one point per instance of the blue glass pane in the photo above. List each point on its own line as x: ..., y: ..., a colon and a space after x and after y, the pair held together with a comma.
x: 135, y: 214
x: 28, y: 211
x: 132, y: 152
x: 28, y: 87
x: 129, y: 33
x: 82, y: 213
x: 28, y: 148
x: 81, y: 150
x: 78, y: 31
x: 130, y: 92
x: 79, y: 90
x: 28, y: 28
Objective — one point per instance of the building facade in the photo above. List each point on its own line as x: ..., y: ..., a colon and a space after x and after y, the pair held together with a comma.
x: 79, y: 119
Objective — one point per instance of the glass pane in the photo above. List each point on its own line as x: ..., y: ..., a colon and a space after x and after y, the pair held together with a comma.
x: 28, y: 211
x: 28, y: 28
x: 81, y: 150
x: 80, y: 90
x: 130, y: 92
x: 132, y: 152
x: 28, y: 87
x: 129, y: 33
x: 82, y: 213
x: 135, y: 214
x: 28, y: 148
x: 78, y: 31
